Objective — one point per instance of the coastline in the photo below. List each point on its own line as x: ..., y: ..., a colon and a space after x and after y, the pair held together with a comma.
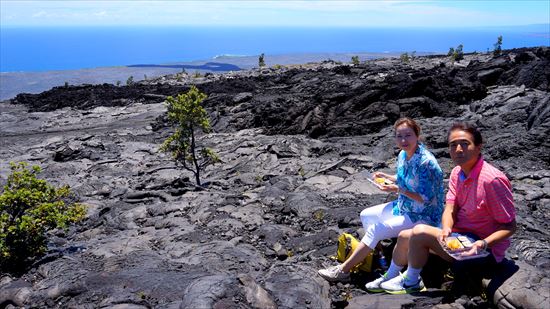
x: 13, y: 83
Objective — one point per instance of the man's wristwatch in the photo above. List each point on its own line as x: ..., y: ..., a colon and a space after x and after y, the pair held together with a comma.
x: 484, y: 244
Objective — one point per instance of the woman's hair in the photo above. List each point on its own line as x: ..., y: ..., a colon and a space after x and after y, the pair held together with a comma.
x: 409, y: 123
x: 467, y: 127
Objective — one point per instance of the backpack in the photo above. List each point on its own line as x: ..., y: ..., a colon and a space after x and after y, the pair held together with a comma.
x: 346, y: 245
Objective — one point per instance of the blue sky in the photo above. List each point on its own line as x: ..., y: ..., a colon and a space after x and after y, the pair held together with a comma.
x: 365, y: 13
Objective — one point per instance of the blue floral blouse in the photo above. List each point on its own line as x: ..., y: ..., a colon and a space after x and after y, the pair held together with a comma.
x: 421, y: 174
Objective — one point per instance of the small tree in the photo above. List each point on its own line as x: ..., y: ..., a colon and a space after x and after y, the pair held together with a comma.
x: 130, y: 81
x: 29, y: 207
x: 188, y: 116
x: 405, y: 57
x: 451, y: 51
x: 355, y: 60
x: 458, y: 54
x: 261, y: 61
x: 498, y: 46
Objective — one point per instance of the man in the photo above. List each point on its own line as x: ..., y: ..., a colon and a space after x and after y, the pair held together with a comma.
x: 479, y: 204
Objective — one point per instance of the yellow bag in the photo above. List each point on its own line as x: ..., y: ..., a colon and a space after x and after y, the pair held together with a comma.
x: 346, y: 245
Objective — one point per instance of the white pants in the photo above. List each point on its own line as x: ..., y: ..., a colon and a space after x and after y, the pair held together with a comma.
x: 380, y: 223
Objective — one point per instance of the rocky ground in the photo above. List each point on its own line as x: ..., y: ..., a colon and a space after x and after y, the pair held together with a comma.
x: 294, y: 142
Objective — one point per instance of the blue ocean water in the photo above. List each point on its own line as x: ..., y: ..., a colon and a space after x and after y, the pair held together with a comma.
x: 44, y: 49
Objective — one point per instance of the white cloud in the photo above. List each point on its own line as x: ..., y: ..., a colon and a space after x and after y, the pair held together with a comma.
x: 272, y: 13
x: 39, y: 14
x: 100, y: 14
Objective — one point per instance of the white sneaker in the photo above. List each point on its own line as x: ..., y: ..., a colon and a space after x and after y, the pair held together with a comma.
x: 397, y: 286
x: 334, y: 274
x: 374, y: 286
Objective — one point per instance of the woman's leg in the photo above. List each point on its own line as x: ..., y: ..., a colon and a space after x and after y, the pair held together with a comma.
x: 387, y: 226
x: 369, y: 217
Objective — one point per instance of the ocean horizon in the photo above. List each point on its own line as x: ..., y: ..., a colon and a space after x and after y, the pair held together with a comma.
x: 35, y: 49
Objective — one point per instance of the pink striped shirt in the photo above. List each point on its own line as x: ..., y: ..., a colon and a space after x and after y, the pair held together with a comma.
x: 485, y: 202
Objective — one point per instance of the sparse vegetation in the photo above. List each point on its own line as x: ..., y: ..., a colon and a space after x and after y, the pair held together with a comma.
x: 261, y: 61
x: 197, y: 74
x: 498, y: 46
x: 118, y: 83
x: 29, y: 207
x: 355, y: 60
x: 130, y: 81
x: 301, y: 172
x: 188, y: 116
x: 457, y: 53
x: 66, y: 85
x: 277, y: 66
x: 451, y: 51
x: 319, y: 215
x: 405, y: 57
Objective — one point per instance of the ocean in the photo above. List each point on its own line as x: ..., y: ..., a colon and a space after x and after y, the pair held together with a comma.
x: 51, y: 48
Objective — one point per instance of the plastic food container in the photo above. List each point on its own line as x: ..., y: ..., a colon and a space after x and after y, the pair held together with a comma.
x: 457, y: 245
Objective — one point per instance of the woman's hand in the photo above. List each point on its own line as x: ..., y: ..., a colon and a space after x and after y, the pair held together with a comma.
x: 391, y: 178
x: 388, y: 188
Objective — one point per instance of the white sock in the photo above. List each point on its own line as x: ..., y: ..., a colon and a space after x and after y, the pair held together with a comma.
x: 412, y: 275
x: 393, y: 271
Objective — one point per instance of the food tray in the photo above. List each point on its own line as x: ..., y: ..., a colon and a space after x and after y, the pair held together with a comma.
x: 463, y: 244
x: 386, y: 182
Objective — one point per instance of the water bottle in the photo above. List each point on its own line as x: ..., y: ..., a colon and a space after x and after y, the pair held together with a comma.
x: 382, y: 261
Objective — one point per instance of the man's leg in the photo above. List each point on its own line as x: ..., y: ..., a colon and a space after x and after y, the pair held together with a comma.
x: 423, y: 238
x: 401, y: 249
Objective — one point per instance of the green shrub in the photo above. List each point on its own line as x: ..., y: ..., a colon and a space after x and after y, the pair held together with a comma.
x: 29, y: 207
x: 130, y: 81
x: 405, y: 57
x: 451, y: 51
x: 261, y: 61
x: 457, y: 53
x: 355, y: 60
x: 187, y: 116
x: 498, y: 46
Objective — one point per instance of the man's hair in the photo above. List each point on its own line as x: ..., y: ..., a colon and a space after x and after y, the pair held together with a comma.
x: 467, y: 127
x: 409, y: 123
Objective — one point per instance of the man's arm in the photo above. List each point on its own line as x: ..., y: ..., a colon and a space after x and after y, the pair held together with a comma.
x: 500, y: 203
x: 505, y: 231
x: 448, y: 220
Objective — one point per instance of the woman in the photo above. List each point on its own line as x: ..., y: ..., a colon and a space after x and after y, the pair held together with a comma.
x: 419, y: 184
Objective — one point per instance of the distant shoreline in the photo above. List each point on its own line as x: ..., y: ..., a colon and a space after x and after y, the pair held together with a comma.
x: 14, y: 83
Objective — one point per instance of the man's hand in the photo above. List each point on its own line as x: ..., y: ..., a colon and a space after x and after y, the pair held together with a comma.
x: 476, y: 248
x: 445, y: 232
